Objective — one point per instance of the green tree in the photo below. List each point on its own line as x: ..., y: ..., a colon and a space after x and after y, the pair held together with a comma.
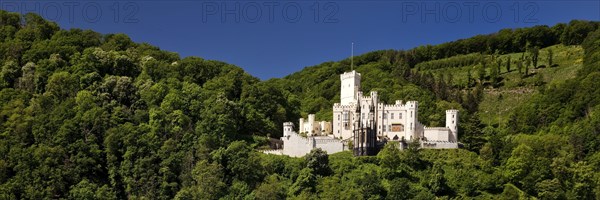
x: 87, y: 190
x: 469, y: 78
x: 437, y: 182
x: 508, y: 62
x: 27, y: 80
x: 481, y: 72
x: 519, y: 164
x: 527, y: 63
x: 535, y: 52
x: 412, y: 155
x: 271, y: 188
x: 495, y: 77
x: 240, y: 162
x: 318, y: 161
x: 520, y: 67
x: 208, y: 182
x: 305, y: 181
x: 9, y: 74
x: 550, y: 189
x: 62, y: 85
x: 390, y: 162
x: 399, y: 189
x: 583, y: 182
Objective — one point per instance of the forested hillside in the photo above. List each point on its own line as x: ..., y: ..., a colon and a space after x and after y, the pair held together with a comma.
x: 90, y: 116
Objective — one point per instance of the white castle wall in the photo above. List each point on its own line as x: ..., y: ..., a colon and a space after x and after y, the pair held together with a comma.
x: 437, y: 134
x: 297, y: 146
x: 329, y: 145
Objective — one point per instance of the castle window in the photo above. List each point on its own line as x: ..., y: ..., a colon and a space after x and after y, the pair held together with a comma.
x: 410, y: 113
x: 410, y: 126
x: 384, y: 115
x: 338, y: 117
x: 384, y: 128
x: 397, y: 128
x: 399, y: 115
x: 392, y: 116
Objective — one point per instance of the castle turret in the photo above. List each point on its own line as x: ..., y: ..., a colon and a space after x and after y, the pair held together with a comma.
x: 288, y: 128
x: 452, y: 124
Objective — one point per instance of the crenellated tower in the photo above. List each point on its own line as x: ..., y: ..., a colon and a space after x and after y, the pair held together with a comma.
x: 288, y: 128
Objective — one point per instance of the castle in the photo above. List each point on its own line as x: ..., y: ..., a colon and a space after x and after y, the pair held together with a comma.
x: 364, y: 124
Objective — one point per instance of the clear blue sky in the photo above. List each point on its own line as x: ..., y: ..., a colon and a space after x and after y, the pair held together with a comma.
x: 275, y: 38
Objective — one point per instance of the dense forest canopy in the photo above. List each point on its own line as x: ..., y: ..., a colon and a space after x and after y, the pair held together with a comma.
x: 90, y: 116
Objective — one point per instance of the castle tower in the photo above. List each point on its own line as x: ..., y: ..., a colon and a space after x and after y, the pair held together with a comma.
x: 452, y: 124
x: 311, y: 125
x: 412, y: 108
x: 350, y: 85
x: 288, y: 128
x: 301, y: 125
x: 311, y: 118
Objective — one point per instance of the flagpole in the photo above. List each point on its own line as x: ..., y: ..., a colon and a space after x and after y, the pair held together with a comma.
x: 352, y: 57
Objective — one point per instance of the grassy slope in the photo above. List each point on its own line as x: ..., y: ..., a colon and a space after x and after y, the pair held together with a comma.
x: 499, y: 102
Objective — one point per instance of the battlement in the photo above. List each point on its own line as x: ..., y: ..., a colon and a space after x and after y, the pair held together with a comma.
x: 350, y: 74
x: 438, y: 141
x: 412, y: 104
x: 273, y: 151
x: 326, y: 140
x: 452, y: 111
x: 288, y: 124
x: 394, y: 106
x: 294, y: 133
x: 337, y: 106
x: 436, y: 128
